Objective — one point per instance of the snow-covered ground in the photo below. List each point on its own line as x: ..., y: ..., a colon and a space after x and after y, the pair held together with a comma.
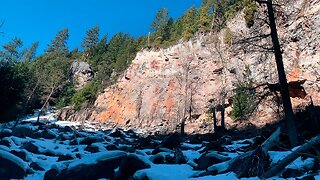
x: 53, y: 147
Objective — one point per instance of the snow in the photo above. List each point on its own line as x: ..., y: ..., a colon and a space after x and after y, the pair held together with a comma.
x: 166, y: 171
x: 100, y: 156
x: 51, y: 149
x: 15, y: 159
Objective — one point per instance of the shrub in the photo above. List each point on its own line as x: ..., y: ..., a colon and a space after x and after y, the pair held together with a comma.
x: 244, y: 100
x: 228, y: 36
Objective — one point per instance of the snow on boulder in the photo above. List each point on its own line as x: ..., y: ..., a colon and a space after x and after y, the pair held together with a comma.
x: 92, y: 166
x: 11, y: 166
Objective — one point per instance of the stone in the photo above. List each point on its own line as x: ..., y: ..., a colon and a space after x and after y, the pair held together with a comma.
x: 130, y: 165
x: 9, y: 168
x: 92, y: 149
x: 81, y: 73
x: 29, y: 146
x: 205, y: 161
x: 24, y: 131
x: 20, y: 154
x: 35, y: 166
x: 291, y: 173
x: 65, y: 158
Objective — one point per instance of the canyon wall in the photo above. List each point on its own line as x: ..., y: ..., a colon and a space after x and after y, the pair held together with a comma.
x: 163, y: 86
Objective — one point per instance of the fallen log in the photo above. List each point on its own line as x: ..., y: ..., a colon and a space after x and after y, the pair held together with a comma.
x: 291, y: 157
x: 251, y: 163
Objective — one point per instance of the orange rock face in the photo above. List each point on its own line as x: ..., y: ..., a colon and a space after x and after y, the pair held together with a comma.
x: 161, y: 85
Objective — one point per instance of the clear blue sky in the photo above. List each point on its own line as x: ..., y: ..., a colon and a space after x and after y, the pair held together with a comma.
x: 40, y: 20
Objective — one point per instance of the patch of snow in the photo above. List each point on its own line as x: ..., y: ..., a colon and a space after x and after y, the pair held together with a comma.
x: 165, y: 171
x: 227, y: 176
x: 100, y: 156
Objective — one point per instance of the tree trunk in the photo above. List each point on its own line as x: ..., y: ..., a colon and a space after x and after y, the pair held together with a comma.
x: 313, y: 143
x: 26, y: 105
x: 45, y: 103
x: 289, y: 116
x: 214, y: 116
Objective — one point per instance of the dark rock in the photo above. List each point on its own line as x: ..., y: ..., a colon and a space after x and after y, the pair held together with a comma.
x: 29, y: 146
x: 117, y: 133
x: 5, y: 133
x: 67, y: 129
x: 111, y: 147
x: 205, y: 161
x: 195, y: 139
x: 8, y: 168
x: 24, y: 131
x: 89, y: 140
x: 214, y: 145
x: 127, y: 149
x: 145, y: 143
x: 130, y: 165
x: 65, y: 158
x: 291, y: 173
x: 158, y: 159
x: 48, y: 134
x: 179, y: 158
x: 51, y: 174
x: 73, y: 142
x: 36, y: 167
x: 20, y: 154
x: 92, y: 149
x: 5, y: 142
x: 171, y: 142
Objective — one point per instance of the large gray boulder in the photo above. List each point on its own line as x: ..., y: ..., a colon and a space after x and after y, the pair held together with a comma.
x: 81, y: 73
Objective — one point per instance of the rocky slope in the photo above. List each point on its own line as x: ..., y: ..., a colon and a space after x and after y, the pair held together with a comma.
x: 162, y: 85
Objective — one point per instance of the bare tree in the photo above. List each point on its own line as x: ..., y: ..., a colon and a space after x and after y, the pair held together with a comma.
x: 289, y: 116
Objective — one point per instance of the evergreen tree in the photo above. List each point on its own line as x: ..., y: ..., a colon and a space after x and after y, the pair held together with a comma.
x: 189, y: 23
x: 160, y: 20
x: 59, y: 43
x: 91, y: 40
x: 11, y: 50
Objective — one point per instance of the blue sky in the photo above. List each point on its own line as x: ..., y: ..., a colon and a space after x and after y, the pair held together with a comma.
x: 40, y: 20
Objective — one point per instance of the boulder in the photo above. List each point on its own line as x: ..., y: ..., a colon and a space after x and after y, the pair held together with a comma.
x: 92, y: 149
x: 129, y: 166
x: 11, y: 166
x: 24, y: 131
x: 29, y: 146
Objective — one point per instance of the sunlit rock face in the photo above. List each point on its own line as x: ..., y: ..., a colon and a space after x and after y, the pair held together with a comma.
x: 81, y: 73
x: 162, y: 85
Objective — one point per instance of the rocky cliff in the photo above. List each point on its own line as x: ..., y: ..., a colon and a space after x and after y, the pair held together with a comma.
x: 162, y: 86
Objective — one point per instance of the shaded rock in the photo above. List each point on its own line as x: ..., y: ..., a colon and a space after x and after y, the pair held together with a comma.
x: 11, y: 166
x: 29, y: 146
x: 111, y: 147
x: 89, y: 140
x: 5, y: 142
x: 36, y: 167
x: 51, y: 174
x: 5, y: 133
x: 171, y: 142
x: 130, y: 165
x: 92, y: 149
x: 20, y: 154
x: 24, y: 131
x: 158, y: 159
x: 47, y: 134
x: 117, y: 133
x: 65, y: 158
x: 179, y: 158
x: 205, y: 161
x: 74, y: 142
x: 145, y: 143
x: 291, y: 173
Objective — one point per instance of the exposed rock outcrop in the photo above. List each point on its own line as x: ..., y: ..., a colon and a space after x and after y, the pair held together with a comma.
x: 161, y: 87
x: 81, y: 73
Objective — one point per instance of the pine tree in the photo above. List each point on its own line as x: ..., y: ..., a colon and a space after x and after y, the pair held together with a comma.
x: 189, y: 23
x: 11, y: 50
x: 160, y: 20
x: 59, y: 43
x: 91, y: 40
